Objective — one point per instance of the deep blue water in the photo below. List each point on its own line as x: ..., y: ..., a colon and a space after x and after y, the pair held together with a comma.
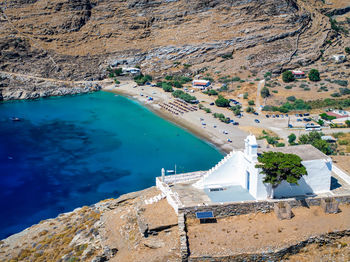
x: 68, y: 152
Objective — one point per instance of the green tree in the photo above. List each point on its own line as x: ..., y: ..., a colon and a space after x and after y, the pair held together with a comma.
x: 323, y: 146
x: 265, y: 92
x: 251, y: 102
x: 314, y: 75
x: 118, y: 71
x: 177, y: 84
x: 245, y: 95
x: 347, y: 123
x: 249, y: 109
x: 314, y: 139
x: 222, y: 102
x: 166, y: 87
x: 278, y: 167
x: 267, y: 75
x: 287, y: 76
x: 291, y: 139
x: 236, y: 110
x: 211, y: 92
x: 291, y: 98
x: 347, y: 50
x: 320, y: 122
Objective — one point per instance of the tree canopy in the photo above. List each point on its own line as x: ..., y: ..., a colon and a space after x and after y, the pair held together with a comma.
x: 288, y: 76
x: 314, y: 138
x: 291, y: 139
x: 314, y: 75
x: 265, y: 92
x: 278, y: 167
x: 222, y: 102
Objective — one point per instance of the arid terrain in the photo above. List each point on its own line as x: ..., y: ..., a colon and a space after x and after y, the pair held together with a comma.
x: 77, y: 40
x: 128, y: 229
x: 64, y: 47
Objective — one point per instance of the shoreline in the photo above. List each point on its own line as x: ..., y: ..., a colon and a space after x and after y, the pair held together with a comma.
x: 186, y: 121
x: 181, y: 124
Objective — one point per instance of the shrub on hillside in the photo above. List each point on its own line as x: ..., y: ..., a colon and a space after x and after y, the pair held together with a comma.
x: 314, y: 75
x: 288, y: 76
x: 167, y: 87
x: 291, y: 98
x: 265, y: 92
x: 347, y: 50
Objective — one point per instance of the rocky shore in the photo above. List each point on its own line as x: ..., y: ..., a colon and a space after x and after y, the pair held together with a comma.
x: 18, y: 87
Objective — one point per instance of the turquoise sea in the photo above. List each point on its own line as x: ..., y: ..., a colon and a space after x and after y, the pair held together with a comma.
x: 67, y: 152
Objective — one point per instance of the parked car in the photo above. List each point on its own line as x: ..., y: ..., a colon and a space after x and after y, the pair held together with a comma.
x: 300, y: 115
x: 267, y: 116
x: 286, y: 115
x: 290, y: 126
x: 235, y: 123
x: 307, y: 119
x: 256, y: 121
x: 296, y: 115
x: 299, y: 120
x: 273, y: 116
x: 212, y: 104
x: 277, y: 115
x: 256, y: 113
x: 306, y: 114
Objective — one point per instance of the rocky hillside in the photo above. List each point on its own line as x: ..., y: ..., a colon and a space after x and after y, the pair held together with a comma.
x: 131, y: 229
x: 77, y: 39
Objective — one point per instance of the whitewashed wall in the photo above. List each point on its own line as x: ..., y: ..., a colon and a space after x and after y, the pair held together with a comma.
x: 317, y: 181
x: 231, y: 172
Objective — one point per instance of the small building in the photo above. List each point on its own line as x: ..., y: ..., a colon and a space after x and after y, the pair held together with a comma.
x: 339, y: 58
x: 298, y: 74
x: 238, y: 169
x: 131, y: 71
x: 200, y: 83
x: 329, y: 139
x: 339, y: 113
x: 341, y: 121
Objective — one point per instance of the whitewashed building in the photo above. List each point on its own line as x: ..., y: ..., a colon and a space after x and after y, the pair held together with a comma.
x: 131, y: 71
x: 339, y: 58
x: 238, y: 169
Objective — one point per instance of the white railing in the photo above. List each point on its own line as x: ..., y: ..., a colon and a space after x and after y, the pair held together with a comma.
x: 172, y: 197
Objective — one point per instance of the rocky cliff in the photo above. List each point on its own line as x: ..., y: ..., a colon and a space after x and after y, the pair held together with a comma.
x: 76, y: 40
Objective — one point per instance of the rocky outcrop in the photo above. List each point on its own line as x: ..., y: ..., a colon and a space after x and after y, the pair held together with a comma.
x: 16, y: 86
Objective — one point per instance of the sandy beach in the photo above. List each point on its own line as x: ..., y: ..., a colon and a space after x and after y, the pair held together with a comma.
x: 200, y: 123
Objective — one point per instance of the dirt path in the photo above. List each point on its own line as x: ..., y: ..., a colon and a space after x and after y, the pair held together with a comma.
x: 257, y: 101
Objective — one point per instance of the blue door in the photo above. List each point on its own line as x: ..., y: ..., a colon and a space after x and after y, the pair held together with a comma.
x: 248, y: 179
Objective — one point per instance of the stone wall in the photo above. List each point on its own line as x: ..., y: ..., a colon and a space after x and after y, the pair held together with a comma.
x: 278, y: 255
x: 183, y: 237
x: 246, y: 207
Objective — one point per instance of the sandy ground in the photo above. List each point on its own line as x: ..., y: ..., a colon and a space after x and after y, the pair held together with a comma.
x: 254, y: 233
x: 343, y: 162
x: 122, y: 231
